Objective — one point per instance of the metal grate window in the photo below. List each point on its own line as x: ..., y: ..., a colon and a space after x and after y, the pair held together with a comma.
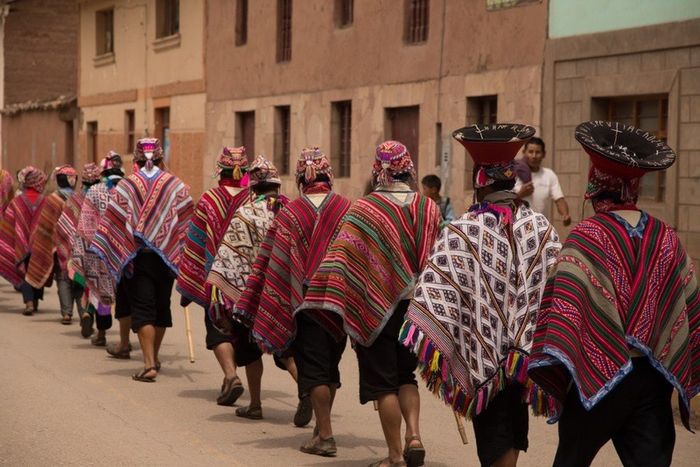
x: 649, y: 113
x: 341, y: 138
x: 241, y: 22
x: 284, y: 30
x: 167, y: 18
x: 92, y: 147
x: 282, y: 138
x: 343, y: 13
x: 130, y: 124
x: 417, y: 18
x: 104, y: 32
x: 245, y: 131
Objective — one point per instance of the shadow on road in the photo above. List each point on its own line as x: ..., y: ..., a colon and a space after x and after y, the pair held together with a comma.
x: 272, y: 416
x: 206, y: 394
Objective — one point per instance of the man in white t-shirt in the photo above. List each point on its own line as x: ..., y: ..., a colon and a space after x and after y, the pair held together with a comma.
x: 543, y: 185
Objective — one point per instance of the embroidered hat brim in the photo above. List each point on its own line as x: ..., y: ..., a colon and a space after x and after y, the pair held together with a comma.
x: 495, y: 143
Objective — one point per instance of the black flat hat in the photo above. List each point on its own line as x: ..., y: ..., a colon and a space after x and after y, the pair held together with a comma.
x: 623, y: 150
x: 494, y: 143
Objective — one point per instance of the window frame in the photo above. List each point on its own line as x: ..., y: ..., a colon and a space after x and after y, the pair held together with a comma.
x: 130, y: 130
x: 282, y: 138
x: 167, y: 18
x: 416, y: 22
x: 104, y: 37
x: 241, y: 31
x: 343, y: 13
x: 284, y: 31
x: 341, y: 138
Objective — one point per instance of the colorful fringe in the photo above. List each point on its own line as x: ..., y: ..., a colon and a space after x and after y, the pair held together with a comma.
x: 433, y: 367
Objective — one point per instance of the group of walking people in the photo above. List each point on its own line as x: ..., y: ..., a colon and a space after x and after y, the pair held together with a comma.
x: 489, y: 308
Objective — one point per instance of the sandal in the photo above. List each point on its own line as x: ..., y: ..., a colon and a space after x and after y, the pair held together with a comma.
x: 142, y: 376
x: 28, y: 311
x: 99, y: 341
x: 304, y: 412
x: 390, y: 464
x: 231, y: 390
x: 414, y: 455
x: 66, y: 319
x: 86, y: 322
x: 119, y: 354
x: 252, y: 413
x: 322, y: 447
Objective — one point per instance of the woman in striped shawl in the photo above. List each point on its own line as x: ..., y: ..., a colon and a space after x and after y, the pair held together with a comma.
x: 19, y: 221
x: 363, y: 287
x: 297, y: 241
x: 212, y: 216
x: 619, y: 326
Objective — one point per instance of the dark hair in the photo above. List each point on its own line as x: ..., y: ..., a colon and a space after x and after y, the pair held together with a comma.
x: 90, y: 183
x: 142, y: 163
x: 405, y: 177
x: 226, y: 173
x: 535, y: 140
x: 319, y: 178
x: 62, y: 181
x: 265, y: 187
x: 432, y: 181
x: 113, y: 171
x: 503, y: 185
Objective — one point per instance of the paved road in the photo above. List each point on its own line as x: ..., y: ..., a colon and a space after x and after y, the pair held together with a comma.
x: 65, y: 403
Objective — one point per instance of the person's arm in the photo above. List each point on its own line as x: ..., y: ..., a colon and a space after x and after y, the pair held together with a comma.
x: 449, y: 211
x: 558, y: 196
x: 523, y: 190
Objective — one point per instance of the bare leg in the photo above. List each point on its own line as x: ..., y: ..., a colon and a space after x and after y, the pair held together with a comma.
x: 254, y: 372
x: 508, y: 459
x: 409, y: 400
x: 160, y: 333
x: 147, y: 339
x: 224, y: 355
x: 124, y: 332
x: 390, y: 417
x: 291, y: 367
x: 322, y: 398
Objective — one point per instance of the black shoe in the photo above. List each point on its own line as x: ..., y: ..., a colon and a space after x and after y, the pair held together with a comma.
x: 86, y: 322
x: 304, y: 412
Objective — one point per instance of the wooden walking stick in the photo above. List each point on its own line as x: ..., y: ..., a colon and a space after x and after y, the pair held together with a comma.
x: 460, y: 428
x: 188, y: 331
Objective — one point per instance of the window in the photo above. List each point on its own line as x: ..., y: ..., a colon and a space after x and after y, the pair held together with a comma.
x: 498, y: 4
x: 245, y: 131
x: 402, y: 126
x: 481, y: 110
x: 104, y: 32
x: 343, y: 13
x: 284, y: 30
x: 167, y: 18
x: 130, y: 131
x: 649, y: 113
x: 92, y: 150
x: 282, y: 127
x: 341, y: 136
x: 416, y: 23
x: 241, y: 22
x: 162, y: 125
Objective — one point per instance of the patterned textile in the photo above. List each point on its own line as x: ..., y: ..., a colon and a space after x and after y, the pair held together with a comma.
x: 297, y: 241
x: 391, y: 160
x: 236, y: 254
x: 70, y: 173
x: 7, y: 191
x: 91, y: 173
x: 489, y: 174
x: 151, y: 212
x: 601, y: 183
x: 372, y: 264
x: 212, y: 216
x: 41, y: 242
x: 312, y: 162
x: 17, y: 224
x: 64, y: 234
x: 33, y: 178
x: 234, y: 159
x: 610, y: 293
x: 472, y: 317
x: 88, y: 269
x: 263, y: 171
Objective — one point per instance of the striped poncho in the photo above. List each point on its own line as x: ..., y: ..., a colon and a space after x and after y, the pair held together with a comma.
x: 236, y: 254
x: 152, y: 212
x: 89, y: 270
x: 41, y: 242
x: 64, y: 234
x: 18, y: 222
x: 372, y: 265
x: 296, y: 243
x: 472, y: 317
x: 613, y: 291
x: 211, y: 217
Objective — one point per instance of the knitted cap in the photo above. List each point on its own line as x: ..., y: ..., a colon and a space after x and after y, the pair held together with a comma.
x: 312, y: 163
x: 91, y: 173
x: 234, y: 159
x: 149, y: 150
x: 32, y: 177
x: 391, y: 160
x: 261, y: 171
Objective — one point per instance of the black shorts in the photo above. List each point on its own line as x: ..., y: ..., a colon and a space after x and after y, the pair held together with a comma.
x: 122, y: 305
x: 502, y: 426
x: 317, y: 355
x: 386, y: 365
x: 246, y: 351
x: 149, y: 291
x: 215, y: 337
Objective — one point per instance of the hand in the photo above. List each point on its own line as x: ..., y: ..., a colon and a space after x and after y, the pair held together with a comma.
x: 566, y: 220
x: 526, y: 190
